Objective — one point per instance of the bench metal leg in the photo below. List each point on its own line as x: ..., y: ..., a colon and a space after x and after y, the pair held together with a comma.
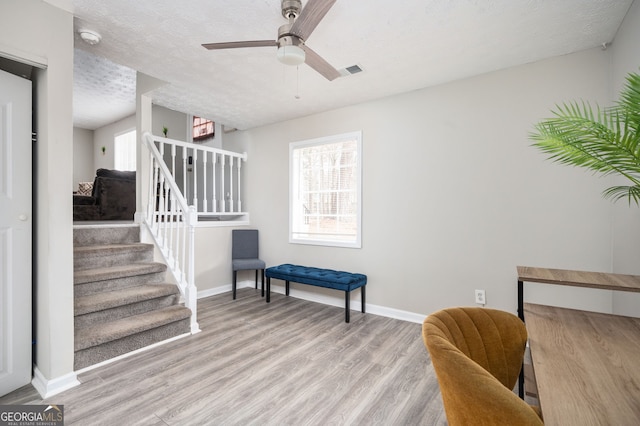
x: 286, y: 285
x: 268, y: 289
x: 362, y: 297
x: 262, y: 283
x: 346, y: 305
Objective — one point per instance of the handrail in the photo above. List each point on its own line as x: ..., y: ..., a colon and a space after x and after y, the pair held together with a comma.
x: 171, y: 222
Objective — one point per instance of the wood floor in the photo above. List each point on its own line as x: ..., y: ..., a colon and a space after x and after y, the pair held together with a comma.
x: 290, y: 362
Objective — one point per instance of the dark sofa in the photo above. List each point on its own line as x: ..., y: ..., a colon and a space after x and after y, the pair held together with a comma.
x: 113, y: 197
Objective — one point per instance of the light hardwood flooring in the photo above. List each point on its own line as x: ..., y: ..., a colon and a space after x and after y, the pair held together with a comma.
x: 290, y: 362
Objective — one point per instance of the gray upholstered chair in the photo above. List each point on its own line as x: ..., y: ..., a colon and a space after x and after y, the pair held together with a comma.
x: 244, y: 255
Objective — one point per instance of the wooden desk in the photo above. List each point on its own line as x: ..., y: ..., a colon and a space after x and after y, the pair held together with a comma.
x: 599, y: 280
x: 586, y: 364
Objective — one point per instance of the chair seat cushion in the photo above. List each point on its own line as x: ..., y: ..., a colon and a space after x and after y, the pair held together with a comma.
x: 243, y: 264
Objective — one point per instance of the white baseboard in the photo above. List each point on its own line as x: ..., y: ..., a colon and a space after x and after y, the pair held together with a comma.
x: 324, y: 299
x: 47, y: 388
x: 134, y: 352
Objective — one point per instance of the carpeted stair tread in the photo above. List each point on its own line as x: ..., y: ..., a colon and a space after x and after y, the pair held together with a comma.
x: 106, y: 255
x: 115, y: 272
x: 111, y: 299
x: 86, y: 235
x: 105, y: 249
x: 99, y: 334
x: 121, y: 299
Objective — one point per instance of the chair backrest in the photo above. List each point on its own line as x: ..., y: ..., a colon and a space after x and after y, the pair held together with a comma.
x: 244, y: 244
x: 477, y: 354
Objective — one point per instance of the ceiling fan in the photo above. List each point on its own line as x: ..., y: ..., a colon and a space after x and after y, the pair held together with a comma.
x: 292, y: 49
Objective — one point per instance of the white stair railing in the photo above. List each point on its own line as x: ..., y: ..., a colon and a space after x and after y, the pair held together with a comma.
x: 171, y: 222
x: 209, y: 177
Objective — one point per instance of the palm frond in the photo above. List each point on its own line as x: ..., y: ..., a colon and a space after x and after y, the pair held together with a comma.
x: 630, y: 100
x: 605, y: 141
x: 616, y: 193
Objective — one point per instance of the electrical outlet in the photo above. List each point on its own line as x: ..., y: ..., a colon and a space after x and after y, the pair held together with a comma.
x: 480, y: 297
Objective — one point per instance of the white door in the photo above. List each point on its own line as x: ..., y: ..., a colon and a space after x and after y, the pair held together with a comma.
x: 15, y: 232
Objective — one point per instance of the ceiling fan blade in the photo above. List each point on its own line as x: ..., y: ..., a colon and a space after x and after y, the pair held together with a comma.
x: 235, y: 44
x: 310, y: 17
x: 316, y: 62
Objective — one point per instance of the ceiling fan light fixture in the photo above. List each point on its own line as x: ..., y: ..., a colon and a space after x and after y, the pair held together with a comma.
x: 291, y: 55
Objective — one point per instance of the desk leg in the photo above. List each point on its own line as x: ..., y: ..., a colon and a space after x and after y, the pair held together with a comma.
x: 520, y: 300
x: 521, y: 316
x: 521, y: 383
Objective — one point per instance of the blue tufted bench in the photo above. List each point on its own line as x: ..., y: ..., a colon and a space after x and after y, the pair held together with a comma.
x: 328, y: 278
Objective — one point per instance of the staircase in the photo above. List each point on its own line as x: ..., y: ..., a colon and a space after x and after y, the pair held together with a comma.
x: 121, y: 301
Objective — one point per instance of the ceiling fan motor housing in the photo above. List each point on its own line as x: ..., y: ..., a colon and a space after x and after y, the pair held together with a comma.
x: 286, y: 38
x: 291, y: 9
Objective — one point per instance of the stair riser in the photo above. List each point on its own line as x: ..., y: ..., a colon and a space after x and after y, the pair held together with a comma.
x: 115, y: 284
x: 125, y: 311
x: 96, y: 354
x: 111, y: 258
x: 90, y: 236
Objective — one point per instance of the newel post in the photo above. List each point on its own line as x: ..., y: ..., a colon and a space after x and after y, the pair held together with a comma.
x: 190, y: 294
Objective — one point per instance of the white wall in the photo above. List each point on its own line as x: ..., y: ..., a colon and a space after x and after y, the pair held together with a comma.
x: 179, y: 126
x: 33, y: 31
x: 174, y: 121
x: 83, y: 169
x: 104, y: 136
x: 454, y: 195
x: 626, y: 219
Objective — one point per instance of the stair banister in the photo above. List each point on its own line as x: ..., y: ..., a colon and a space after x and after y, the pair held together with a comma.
x: 167, y: 211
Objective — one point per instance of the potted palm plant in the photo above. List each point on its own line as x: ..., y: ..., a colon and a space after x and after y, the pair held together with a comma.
x: 606, y: 141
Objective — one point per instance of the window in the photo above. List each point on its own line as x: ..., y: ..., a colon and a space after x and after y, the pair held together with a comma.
x: 203, y: 129
x: 325, y: 191
x: 125, y: 151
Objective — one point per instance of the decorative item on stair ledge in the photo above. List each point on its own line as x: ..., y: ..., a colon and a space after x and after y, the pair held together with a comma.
x: 165, y: 131
x: 103, y: 149
x: 606, y: 141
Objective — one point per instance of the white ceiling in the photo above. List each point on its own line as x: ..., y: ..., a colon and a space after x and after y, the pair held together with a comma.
x: 401, y: 45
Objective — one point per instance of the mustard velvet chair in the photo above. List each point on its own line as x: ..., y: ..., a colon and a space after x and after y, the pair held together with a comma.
x: 477, y: 354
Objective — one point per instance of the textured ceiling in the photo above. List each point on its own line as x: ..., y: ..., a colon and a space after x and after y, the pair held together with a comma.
x: 103, y: 91
x: 401, y: 46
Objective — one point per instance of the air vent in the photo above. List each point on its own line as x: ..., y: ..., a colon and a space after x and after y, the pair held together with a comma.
x: 353, y: 69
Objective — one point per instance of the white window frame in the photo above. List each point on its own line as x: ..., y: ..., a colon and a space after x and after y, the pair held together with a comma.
x: 295, y: 204
x: 116, y: 150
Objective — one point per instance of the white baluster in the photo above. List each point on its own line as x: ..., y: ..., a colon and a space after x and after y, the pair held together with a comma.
x: 151, y: 199
x: 204, y: 181
x: 239, y: 195
x: 223, y: 196
x: 195, y: 180
x: 173, y: 162
x: 184, y: 172
x: 214, y: 201
x: 230, y: 183
x: 169, y: 227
